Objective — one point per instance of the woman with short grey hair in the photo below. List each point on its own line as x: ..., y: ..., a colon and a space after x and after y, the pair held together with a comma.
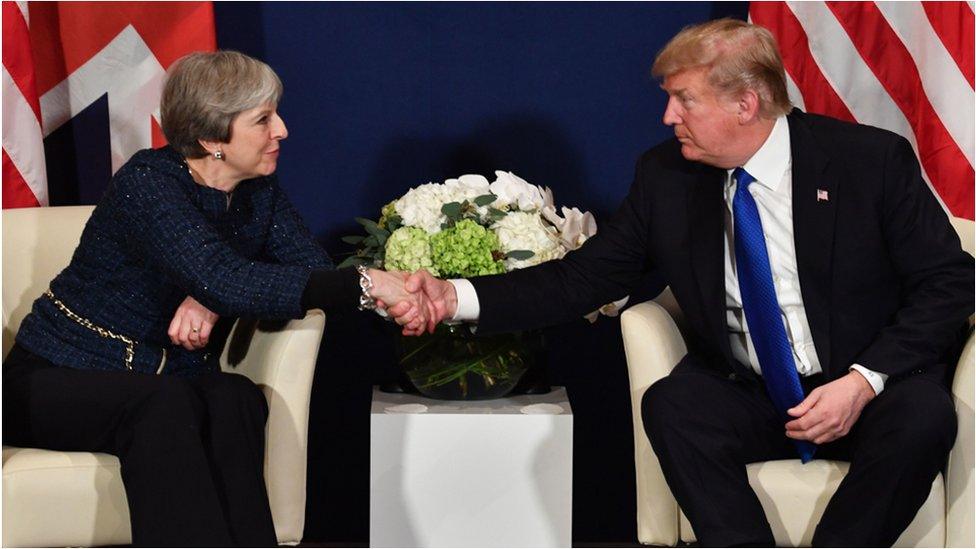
x: 120, y: 354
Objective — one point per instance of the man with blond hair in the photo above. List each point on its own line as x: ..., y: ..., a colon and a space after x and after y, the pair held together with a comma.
x: 823, y: 285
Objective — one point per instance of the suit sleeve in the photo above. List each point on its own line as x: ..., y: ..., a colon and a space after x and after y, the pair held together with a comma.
x: 181, y: 243
x: 936, y: 274
x: 290, y: 242
x: 604, y: 269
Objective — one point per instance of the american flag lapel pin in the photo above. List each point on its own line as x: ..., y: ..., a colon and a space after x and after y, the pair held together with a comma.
x: 822, y: 195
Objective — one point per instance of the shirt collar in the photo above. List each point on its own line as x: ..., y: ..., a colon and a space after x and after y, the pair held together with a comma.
x: 773, y: 158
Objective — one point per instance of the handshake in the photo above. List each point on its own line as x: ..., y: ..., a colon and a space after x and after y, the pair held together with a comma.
x: 418, y: 302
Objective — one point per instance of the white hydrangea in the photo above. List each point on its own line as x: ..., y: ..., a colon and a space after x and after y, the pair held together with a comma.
x: 515, y: 191
x: 467, y: 187
x: 527, y: 231
x: 421, y: 207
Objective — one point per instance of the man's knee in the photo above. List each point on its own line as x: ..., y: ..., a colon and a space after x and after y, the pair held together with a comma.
x: 664, y: 404
x: 918, y: 417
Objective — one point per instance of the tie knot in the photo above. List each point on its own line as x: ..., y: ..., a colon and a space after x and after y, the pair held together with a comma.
x: 742, y: 178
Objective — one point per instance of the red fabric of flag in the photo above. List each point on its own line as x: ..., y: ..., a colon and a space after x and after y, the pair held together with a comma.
x: 83, y: 51
x: 903, y: 66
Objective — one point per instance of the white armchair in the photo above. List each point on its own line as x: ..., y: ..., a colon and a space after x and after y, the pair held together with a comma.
x: 55, y: 499
x: 793, y: 497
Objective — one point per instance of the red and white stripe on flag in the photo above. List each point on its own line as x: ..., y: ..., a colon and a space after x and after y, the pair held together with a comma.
x: 903, y: 66
x: 60, y: 57
x: 24, y: 173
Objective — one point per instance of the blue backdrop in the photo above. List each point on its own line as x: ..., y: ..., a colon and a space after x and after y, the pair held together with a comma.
x: 382, y: 97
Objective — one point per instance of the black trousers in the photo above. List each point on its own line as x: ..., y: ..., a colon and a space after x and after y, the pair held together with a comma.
x: 705, y: 427
x: 191, y: 449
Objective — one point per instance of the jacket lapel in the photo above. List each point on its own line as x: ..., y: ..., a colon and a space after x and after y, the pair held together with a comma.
x: 815, y: 196
x: 706, y: 212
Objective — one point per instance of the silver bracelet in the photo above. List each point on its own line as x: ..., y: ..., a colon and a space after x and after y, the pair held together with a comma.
x: 366, y: 301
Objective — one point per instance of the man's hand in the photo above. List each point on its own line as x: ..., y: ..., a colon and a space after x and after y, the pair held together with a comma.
x: 412, y: 308
x: 441, y: 297
x: 829, y: 411
x: 191, y: 325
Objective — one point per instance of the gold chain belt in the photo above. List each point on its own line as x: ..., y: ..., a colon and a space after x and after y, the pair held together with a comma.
x: 130, y: 345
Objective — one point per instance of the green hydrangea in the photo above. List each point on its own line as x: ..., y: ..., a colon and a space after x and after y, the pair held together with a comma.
x: 465, y: 250
x: 408, y: 249
x: 386, y: 213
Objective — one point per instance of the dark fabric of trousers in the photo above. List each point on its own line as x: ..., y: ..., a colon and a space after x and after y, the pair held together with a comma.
x: 705, y: 427
x: 191, y: 449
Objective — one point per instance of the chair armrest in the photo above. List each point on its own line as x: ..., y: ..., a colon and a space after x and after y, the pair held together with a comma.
x: 960, y: 492
x: 282, y: 362
x: 653, y: 346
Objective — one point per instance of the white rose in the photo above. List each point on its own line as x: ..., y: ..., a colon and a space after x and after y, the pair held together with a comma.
x: 513, y: 190
x: 421, y: 207
x: 526, y: 231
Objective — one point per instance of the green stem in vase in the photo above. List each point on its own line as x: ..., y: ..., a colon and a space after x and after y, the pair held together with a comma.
x: 419, y: 348
x: 459, y: 370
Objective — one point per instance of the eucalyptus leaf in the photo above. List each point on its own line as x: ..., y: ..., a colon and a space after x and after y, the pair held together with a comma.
x: 452, y: 210
x: 394, y: 222
x: 485, y: 199
x: 352, y: 261
x: 372, y: 228
x: 496, y: 214
x: 520, y: 255
x: 354, y: 240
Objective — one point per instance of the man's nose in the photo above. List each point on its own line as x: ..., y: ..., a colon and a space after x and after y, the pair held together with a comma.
x: 671, y: 116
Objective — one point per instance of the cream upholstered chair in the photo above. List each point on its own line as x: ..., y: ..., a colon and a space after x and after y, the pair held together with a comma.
x: 77, y: 498
x: 793, y: 496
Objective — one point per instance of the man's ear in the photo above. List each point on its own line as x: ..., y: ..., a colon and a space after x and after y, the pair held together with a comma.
x: 748, y: 106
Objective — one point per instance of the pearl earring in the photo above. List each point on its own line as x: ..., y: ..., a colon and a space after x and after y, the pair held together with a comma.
x: 218, y: 155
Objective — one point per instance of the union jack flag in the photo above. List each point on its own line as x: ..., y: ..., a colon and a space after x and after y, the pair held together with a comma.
x: 81, y: 85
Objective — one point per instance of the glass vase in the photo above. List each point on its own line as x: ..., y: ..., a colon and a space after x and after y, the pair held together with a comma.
x: 454, y: 363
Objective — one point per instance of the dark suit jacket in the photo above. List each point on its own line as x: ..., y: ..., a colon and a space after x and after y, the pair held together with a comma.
x: 884, y: 281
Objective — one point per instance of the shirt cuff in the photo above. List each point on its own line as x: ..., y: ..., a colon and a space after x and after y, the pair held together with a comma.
x: 876, y: 379
x: 468, y: 307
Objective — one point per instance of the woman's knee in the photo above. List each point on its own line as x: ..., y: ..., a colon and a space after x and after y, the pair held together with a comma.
x: 236, y: 394
x: 170, y: 413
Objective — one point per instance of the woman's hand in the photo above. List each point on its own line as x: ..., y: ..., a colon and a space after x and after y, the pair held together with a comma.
x: 191, y: 325
x: 388, y: 290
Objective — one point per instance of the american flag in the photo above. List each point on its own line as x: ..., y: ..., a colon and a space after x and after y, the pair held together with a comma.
x: 903, y: 66
x: 81, y: 85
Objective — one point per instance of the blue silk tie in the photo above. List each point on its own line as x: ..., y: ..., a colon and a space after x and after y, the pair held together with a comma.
x: 762, y: 308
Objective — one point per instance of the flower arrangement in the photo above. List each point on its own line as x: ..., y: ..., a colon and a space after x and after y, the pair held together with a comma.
x: 468, y: 227
x: 462, y: 228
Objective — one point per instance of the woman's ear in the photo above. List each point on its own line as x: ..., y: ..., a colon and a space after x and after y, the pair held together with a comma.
x: 210, y: 146
x: 213, y: 148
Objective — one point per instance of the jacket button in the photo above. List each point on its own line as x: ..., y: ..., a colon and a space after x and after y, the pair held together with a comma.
x: 733, y: 376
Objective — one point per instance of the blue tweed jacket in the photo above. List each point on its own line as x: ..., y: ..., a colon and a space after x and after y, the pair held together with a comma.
x: 157, y: 237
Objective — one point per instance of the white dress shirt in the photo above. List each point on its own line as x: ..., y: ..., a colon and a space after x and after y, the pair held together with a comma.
x: 771, y: 166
